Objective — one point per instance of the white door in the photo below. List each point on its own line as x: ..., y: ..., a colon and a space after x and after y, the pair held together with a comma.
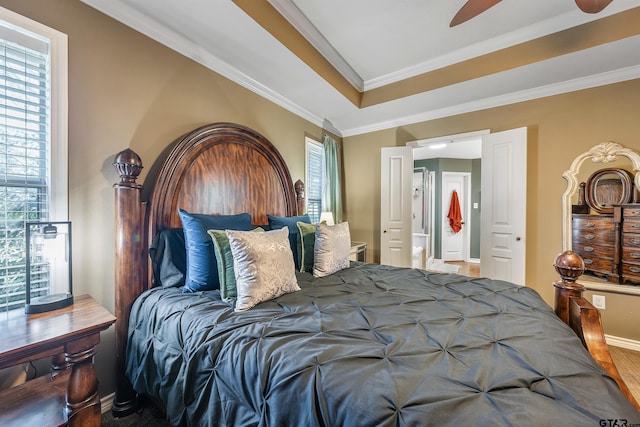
x: 503, y: 204
x: 396, y: 171
x: 455, y: 246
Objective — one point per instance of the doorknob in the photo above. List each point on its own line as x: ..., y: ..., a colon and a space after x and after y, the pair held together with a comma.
x: 518, y: 239
x: 384, y: 231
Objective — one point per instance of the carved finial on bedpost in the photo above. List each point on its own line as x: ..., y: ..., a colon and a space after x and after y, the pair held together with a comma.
x: 570, y: 267
x: 129, y: 166
x: 299, y: 189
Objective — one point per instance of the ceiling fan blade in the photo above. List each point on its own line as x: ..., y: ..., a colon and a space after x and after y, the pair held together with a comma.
x: 592, y: 6
x: 473, y: 8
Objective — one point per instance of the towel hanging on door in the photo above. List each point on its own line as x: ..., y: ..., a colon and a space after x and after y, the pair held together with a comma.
x: 454, y: 215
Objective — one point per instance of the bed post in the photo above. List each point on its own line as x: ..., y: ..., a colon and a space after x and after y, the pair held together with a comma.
x: 299, y: 189
x: 583, y: 317
x: 129, y: 267
x: 570, y: 267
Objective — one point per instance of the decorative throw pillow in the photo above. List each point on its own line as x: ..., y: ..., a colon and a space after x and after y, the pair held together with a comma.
x: 332, y: 248
x: 224, y: 258
x: 168, y: 258
x: 263, y: 264
x: 306, y: 242
x: 202, y: 268
x: 277, y: 222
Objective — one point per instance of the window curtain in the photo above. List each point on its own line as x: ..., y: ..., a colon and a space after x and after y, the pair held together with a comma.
x: 332, y: 194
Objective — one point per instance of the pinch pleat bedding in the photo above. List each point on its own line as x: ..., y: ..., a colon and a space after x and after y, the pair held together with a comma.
x: 368, y: 346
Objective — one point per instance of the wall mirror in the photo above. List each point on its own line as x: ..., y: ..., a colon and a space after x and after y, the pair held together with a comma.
x: 597, y: 180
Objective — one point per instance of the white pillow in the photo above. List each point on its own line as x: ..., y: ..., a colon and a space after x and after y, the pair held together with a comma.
x: 332, y: 248
x: 263, y: 266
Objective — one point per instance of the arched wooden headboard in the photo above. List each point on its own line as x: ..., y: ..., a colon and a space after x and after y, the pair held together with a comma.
x: 221, y: 168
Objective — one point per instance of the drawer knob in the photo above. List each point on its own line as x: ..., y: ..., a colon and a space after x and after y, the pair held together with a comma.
x: 589, y: 224
x: 635, y: 241
x: 635, y: 226
x: 588, y: 261
x: 634, y: 269
x: 589, y: 236
x: 588, y: 248
x: 635, y: 254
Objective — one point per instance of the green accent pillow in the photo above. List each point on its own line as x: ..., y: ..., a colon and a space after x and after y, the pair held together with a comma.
x: 306, y: 242
x: 226, y: 273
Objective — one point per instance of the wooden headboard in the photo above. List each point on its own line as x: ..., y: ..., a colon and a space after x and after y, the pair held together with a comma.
x: 221, y: 168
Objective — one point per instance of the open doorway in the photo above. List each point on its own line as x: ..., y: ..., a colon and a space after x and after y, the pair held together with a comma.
x: 453, y: 161
x: 503, y: 204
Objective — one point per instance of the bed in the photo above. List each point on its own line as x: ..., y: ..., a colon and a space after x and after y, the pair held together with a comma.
x: 366, y: 344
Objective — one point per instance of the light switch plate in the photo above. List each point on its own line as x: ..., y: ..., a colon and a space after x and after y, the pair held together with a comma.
x: 599, y: 302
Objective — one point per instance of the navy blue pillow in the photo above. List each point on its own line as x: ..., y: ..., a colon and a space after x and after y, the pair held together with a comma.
x: 168, y: 258
x: 202, y: 268
x: 277, y: 222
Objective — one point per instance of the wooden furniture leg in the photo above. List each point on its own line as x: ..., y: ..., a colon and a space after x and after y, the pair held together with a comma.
x: 82, y: 401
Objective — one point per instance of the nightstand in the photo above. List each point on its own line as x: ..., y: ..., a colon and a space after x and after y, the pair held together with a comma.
x: 358, y: 251
x: 68, y: 394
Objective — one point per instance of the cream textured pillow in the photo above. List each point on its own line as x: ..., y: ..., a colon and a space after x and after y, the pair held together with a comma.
x: 332, y: 249
x: 263, y: 266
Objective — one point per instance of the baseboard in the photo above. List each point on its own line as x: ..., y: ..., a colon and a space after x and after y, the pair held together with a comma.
x: 106, y: 402
x: 474, y: 260
x: 622, y: 342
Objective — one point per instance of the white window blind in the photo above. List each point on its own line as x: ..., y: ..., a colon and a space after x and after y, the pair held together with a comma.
x: 315, y: 179
x: 25, y: 147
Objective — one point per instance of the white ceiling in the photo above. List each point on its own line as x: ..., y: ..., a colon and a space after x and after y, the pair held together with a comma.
x: 377, y: 42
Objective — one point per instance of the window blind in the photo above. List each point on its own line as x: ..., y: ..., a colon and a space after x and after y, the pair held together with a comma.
x: 24, y: 156
x: 314, y: 184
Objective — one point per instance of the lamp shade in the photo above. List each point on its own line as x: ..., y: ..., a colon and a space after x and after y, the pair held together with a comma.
x: 327, y: 217
x: 48, y: 266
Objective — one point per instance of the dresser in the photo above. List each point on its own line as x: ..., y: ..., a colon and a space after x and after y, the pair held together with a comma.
x: 610, y: 244
x: 594, y: 239
x: 629, y: 215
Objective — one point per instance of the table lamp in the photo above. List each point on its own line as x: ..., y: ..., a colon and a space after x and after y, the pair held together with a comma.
x: 48, y: 279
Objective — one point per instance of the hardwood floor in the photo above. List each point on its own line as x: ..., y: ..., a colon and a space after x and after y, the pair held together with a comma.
x: 628, y: 364
x: 471, y: 269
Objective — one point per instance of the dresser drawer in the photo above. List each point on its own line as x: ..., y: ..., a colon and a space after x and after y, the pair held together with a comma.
x: 631, y: 240
x: 631, y: 226
x: 631, y: 272
x: 593, y: 263
x: 594, y: 237
x: 593, y: 251
x: 593, y: 223
x: 631, y: 254
x: 631, y: 213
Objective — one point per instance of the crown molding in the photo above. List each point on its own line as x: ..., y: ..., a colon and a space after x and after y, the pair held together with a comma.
x: 134, y: 19
x: 522, y: 35
x: 139, y: 22
x: 302, y: 24
x: 602, y: 79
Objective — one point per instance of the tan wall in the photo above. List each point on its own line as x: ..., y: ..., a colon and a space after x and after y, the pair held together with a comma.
x: 126, y: 90
x: 560, y: 128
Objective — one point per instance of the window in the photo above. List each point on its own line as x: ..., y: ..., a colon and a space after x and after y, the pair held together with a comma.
x: 33, y: 141
x: 315, y: 178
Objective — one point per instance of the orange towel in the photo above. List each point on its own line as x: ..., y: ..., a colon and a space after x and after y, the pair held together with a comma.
x: 454, y: 215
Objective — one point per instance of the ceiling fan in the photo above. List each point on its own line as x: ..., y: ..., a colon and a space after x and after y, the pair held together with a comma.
x: 473, y: 8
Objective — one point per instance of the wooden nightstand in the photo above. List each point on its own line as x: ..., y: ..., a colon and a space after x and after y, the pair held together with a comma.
x: 68, y: 395
x: 358, y: 251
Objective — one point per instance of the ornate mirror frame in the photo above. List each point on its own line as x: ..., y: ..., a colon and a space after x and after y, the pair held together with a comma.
x: 605, y: 152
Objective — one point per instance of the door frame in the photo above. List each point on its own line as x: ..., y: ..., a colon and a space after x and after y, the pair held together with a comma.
x: 458, y: 138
